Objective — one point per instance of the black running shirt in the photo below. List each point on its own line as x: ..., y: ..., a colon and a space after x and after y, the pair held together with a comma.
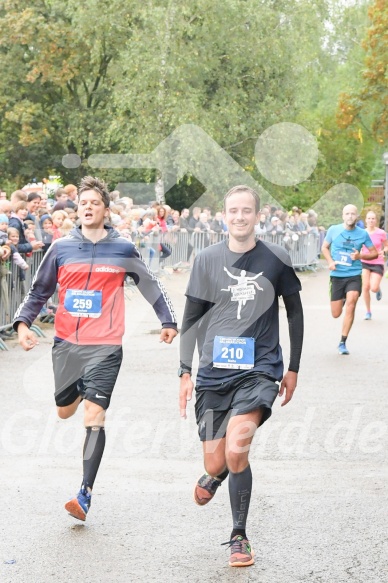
x: 243, y: 290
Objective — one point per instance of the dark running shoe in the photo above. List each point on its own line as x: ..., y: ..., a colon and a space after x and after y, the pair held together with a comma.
x: 79, y: 507
x: 379, y: 295
x: 205, y: 489
x: 241, y: 552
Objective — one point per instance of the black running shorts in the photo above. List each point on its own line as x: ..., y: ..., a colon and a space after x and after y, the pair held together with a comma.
x: 340, y: 286
x: 87, y: 371
x: 249, y: 392
x: 373, y: 267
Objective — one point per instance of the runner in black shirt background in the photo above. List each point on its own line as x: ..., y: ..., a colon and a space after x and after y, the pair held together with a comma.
x: 232, y: 314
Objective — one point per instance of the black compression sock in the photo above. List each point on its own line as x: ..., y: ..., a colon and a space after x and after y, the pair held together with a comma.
x: 223, y: 475
x: 240, y: 488
x: 344, y: 338
x: 238, y: 532
x: 93, y: 449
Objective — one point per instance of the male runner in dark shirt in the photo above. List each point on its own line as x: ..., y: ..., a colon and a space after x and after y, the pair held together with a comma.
x: 232, y: 314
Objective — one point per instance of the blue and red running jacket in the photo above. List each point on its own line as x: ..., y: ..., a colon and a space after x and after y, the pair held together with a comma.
x: 75, y: 263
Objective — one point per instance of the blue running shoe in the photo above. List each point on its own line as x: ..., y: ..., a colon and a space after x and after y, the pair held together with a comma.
x: 342, y: 348
x: 79, y: 507
x: 379, y: 295
x: 368, y: 316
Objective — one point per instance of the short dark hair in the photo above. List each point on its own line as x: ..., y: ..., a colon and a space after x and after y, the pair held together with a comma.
x: 92, y: 183
x: 59, y: 193
x: 33, y: 196
x: 243, y: 188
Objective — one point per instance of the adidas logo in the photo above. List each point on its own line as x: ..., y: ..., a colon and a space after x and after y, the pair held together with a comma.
x: 107, y: 270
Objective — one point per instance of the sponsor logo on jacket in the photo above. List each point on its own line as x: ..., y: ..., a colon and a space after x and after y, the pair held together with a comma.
x: 107, y: 269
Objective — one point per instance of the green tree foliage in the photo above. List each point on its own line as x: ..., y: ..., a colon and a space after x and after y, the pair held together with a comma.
x: 368, y: 103
x: 57, y: 77
x: 346, y: 154
x: 119, y: 77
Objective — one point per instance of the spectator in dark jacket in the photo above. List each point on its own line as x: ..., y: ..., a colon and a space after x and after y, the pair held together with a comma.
x: 17, y: 221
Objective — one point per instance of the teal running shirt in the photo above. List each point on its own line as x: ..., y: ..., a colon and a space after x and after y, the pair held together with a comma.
x: 342, y: 243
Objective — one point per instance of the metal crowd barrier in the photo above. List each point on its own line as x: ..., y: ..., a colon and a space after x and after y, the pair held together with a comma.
x: 182, y: 246
x: 304, y: 252
x: 14, y: 284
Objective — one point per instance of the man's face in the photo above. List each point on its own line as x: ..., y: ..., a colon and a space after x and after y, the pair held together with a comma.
x: 73, y: 194
x: 240, y: 215
x: 63, y: 197
x: 91, y: 209
x: 185, y: 213
x: 349, y: 215
x: 33, y: 205
x: 218, y: 216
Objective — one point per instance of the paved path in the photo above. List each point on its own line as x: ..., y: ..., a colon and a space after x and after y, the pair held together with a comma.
x: 319, y: 509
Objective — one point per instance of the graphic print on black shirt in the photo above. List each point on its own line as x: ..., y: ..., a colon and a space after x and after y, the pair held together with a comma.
x: 243, y: 290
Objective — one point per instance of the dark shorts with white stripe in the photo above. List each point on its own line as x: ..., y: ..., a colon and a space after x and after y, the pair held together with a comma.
x: 87, y: 371
x: 215, y: 406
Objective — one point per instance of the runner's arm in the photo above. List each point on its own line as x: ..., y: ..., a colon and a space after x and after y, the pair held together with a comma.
x: 327, y: 255
x: 294, y: 311
x: 193, y: 313
x: 372, y: 254
x: 151, y: 289
x: 42, y: 288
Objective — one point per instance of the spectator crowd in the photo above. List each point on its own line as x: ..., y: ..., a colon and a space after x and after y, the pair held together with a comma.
x: 31, y: 221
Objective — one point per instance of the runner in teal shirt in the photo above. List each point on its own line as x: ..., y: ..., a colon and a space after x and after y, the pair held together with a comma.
x: 343, y: 242
x: 342, y: 250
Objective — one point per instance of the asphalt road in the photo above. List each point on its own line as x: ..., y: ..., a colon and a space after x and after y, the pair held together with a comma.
x: 318, y: 513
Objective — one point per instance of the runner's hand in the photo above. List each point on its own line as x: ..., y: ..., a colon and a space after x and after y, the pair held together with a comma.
x: 167, y: 335
x: 289, y: 384
x: 355, y: 255
x: 27, y: 338
x: 185, y: 393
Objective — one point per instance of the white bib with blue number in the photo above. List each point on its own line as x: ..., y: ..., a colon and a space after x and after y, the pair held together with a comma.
x: 233, y: 352
x: 85, y: 303
x: 343, y: 258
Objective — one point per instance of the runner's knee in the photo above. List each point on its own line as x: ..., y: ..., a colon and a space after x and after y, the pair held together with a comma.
x: 336, y: 312
x: 64, y: 412
x: 94, y: 414
x: 236, y: 461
